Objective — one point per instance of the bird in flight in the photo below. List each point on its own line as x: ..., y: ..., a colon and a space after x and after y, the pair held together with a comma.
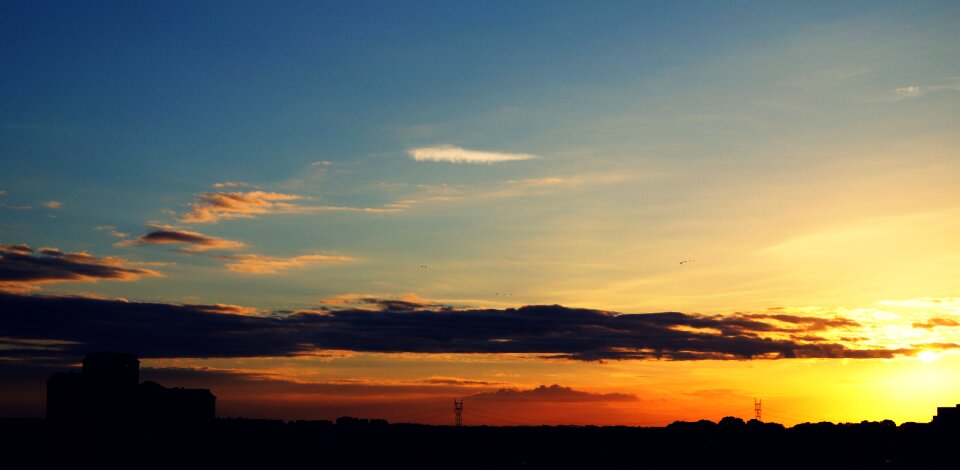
x: 423, y: 266
x: 687, y: 261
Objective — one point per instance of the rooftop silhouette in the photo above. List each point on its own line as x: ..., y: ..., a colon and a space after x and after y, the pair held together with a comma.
x: 107, y: 390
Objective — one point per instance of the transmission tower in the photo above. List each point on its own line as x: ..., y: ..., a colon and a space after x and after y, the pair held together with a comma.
x: 756, y: 409
x: 458, y: 412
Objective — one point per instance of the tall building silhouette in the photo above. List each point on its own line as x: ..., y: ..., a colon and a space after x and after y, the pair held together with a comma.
x: 107, y: 390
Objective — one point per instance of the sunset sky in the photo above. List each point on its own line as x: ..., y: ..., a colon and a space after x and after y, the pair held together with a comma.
x: 564, y: 212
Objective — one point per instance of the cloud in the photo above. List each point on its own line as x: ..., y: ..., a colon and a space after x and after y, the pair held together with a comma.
x: 259, y: 264
x: 212, y: 206
x: 53, y: 204
x: 155, y: 330
x: 456, y: 381
x: 7, y: 206
x: 935, y: 322
x: 916, y: 91
x: 230, y: 184
x: 910, y: 91
x: 547, y: 181
x: 429, y: 193
x: 394, y: 305
x: 224, y: 308
x: 554, y: 394
x: 409, y: 301
x: 451, y: 154
x: 195, y: 242
x: 808, y: 323
x: 111, y: 230
x: 21, y: 269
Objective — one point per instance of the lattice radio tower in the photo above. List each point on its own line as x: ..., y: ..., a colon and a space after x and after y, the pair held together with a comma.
x: 756, y: 409
x: 458, y: 412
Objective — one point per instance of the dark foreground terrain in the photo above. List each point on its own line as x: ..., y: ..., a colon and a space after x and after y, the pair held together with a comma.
x: 354, y: 443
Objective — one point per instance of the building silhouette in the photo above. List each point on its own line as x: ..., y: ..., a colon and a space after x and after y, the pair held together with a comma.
x: 107, y: 390
x: 947, y: 416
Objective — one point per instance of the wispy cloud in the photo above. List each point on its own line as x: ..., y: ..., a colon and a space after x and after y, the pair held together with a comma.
x: 212, y: 206
x: 908, y: 91
x: 230, y: 184
x: 457, y: 381
x: 7, y: 206
x: 22, y: 269
x: 546, y: 181
x: 452, y: 154
x: 916, y: 91
x: 441, y: 193
x: 195, y: 242
x: 111, y: 230
x: 259, y: 264
x: 548, y: 185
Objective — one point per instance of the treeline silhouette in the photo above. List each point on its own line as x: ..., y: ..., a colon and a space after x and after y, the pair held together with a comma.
x: 374, y: 443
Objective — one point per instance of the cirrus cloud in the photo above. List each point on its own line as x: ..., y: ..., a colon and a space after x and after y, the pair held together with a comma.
x: 916, y: 91
x: 452, y: 154
x: 230, y: 184
x: 111, y: 230
x: 259, y: 264
x: 214, y: 206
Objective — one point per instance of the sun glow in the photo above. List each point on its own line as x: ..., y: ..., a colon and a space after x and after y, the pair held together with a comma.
x: 928, y: 356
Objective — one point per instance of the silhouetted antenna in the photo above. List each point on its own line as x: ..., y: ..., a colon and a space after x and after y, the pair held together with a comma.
x: 756, y: 409
x: 458, y: 411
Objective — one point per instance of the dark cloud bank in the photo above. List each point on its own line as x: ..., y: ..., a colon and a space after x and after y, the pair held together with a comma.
x: 72, y: 326
x: 21, y: 265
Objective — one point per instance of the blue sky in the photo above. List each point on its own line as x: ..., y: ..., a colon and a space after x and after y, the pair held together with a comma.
x: 643, y: 113
x: 124, y: 111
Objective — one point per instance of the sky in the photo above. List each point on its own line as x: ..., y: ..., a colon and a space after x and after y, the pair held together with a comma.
x: 563, y: 212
